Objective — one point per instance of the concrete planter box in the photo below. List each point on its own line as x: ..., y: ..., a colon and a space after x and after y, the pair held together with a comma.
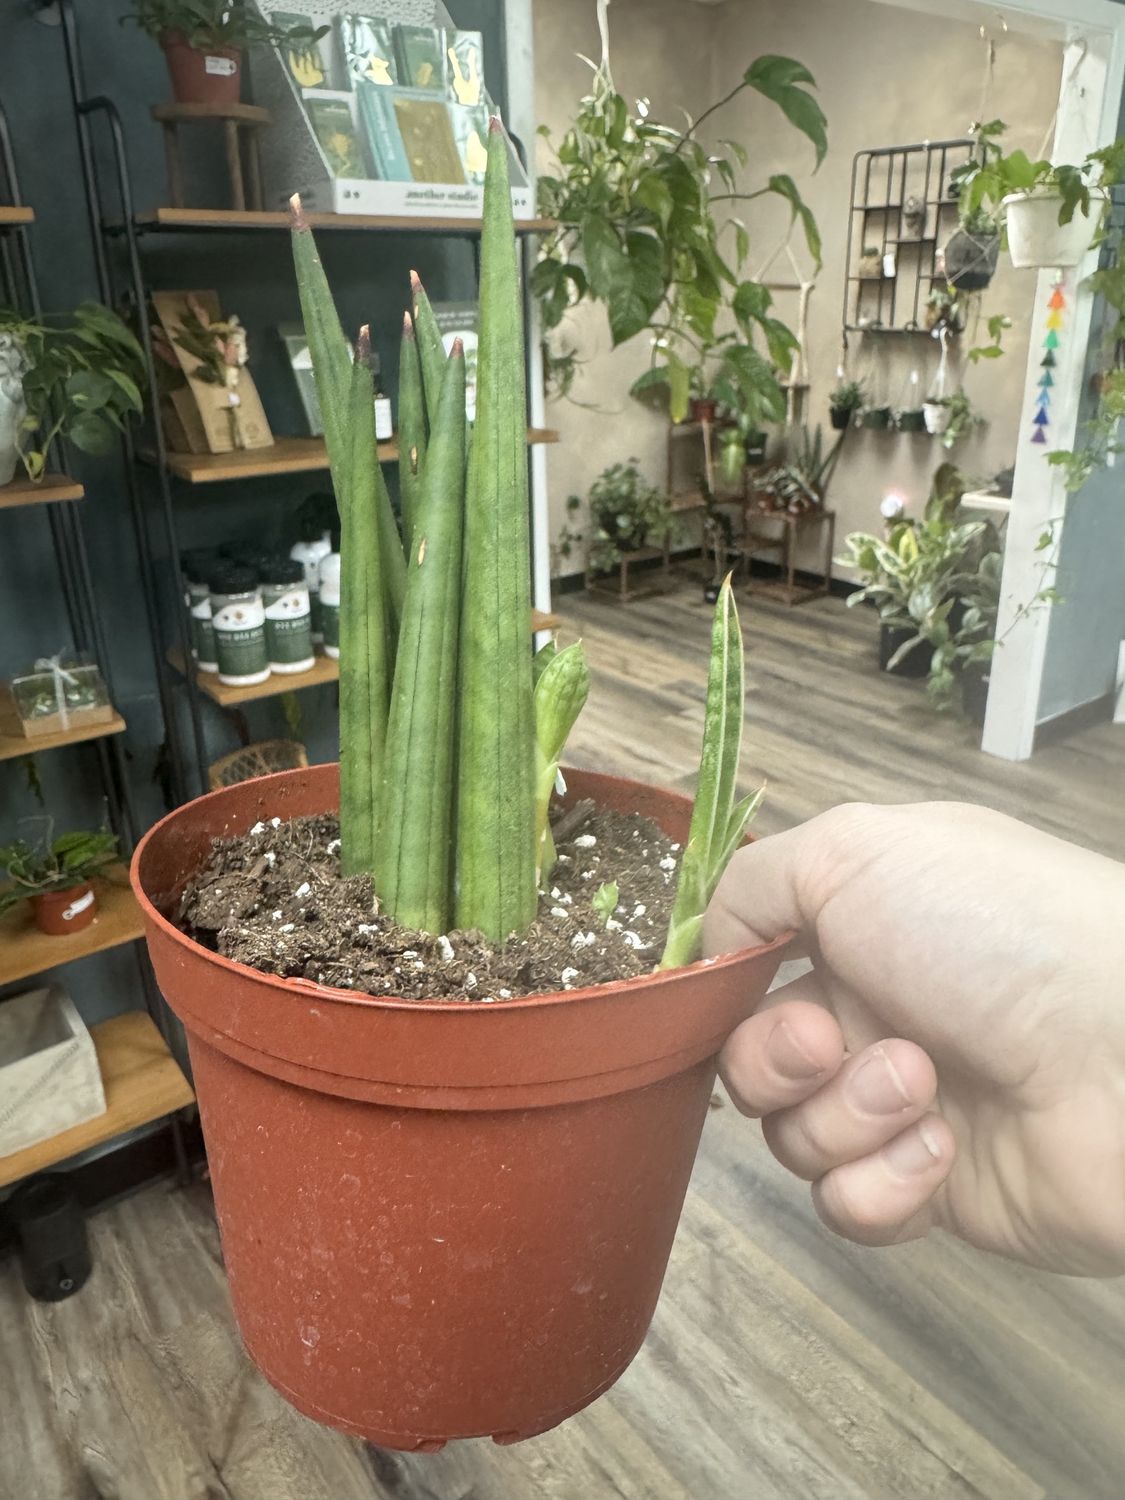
x: 49, y: 1078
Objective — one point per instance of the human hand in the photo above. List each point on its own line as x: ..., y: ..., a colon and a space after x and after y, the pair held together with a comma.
x: 956, y: 1058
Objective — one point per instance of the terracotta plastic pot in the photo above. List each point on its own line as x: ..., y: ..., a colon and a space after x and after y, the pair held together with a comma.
x: 211, y: 75
x: 440, y: 1220
x: 61, y: 912
x: 1037, y: 240
x: 703, y: 411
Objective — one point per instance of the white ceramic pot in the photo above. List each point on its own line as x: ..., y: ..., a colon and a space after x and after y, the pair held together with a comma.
x: 938, y: 417
x: 1036, y: 239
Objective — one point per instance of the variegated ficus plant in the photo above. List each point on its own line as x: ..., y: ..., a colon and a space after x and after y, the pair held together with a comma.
x: 451, y: 733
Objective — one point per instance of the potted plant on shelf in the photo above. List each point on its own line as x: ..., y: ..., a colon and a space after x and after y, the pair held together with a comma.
x: 870, y: 264
x: 799, y: 484
x: 846, y: 399
x: 78, y: 376
x: 911, y: 419
x: 878, y: 418
x: 203, y: 42
x: 945, y: 309
x: 964, y: 641
x: 55, y: 877
x: 624, y: 511
x: 473, y: 1200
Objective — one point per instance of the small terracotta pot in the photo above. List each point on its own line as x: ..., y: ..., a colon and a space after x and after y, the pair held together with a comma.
x: 703, y: 411
x: 62, y: 912
x: 211, y: 75
x: 440, y: 1220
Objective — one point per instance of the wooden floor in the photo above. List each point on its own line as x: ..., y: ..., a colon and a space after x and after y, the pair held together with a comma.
x: 782, y: 1363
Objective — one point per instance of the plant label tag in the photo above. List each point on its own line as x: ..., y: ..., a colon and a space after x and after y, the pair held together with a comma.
x: 220, y: 67
x: 78, y: 906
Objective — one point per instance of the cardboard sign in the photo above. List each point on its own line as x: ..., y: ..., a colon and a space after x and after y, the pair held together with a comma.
x: 250, y: 429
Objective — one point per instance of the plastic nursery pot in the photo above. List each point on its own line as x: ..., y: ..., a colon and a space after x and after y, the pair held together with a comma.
x: 440, y: 1220
x: 877, y: 417
x: 211, y: 75
x: 974, y: 692
x: 911, y: 421
x: 703, y: 411
x: 59, y: 913
x: 1036, y: 239
x: 970, y: 259
x: 937, y: 416
x: 916, y: 662
x: 840, y: 417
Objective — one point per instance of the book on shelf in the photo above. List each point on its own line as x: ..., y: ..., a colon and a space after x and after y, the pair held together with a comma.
x: 367, y: 44
x: 330, y: 114
x: 305, y: 61
x: 380, y: 125
x: 427, y: 136
x: 461, y: 320
x: 292, y: 335
x: 470, y: 134
x: 421, y: 57
x: 463, y: 53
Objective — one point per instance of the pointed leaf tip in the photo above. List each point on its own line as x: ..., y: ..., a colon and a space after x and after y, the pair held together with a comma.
x: 457, y: 349
x: 415, y: 282
x: 495, y: 124
x: 407, y: 326
x: 297, y: 213
x: 363, y: 344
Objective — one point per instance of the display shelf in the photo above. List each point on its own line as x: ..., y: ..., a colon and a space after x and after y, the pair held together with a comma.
x: 24, y: 950
x: 12, y: 215
x: 287, y: 455
x: 258, y: 219
x: 327, y: 669
x: 142, y: 1081
x: 51, y: 488
x: 985, y: 500
x: 14, y: 745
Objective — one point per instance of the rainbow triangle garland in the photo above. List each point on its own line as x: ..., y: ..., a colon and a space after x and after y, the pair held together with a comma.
x: 1053, y: 325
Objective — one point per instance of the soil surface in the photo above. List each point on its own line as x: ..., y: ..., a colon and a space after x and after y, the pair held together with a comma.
x: 275, y: 899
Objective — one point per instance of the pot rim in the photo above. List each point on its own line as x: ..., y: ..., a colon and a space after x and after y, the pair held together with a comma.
x: 451, y: 1005
x: 173, y: 38
x: 57, y: 892
x: 1044, y: 193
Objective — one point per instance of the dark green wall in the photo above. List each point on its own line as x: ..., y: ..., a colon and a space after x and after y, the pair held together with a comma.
x: 253, y: 276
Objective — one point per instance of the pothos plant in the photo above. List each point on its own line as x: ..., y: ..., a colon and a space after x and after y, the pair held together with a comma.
x: 82, y: 374
x: 450, y: 736
x: 218, y: 23
x: 645, y: 227
x: 991, y: 175
x: 54, y: 864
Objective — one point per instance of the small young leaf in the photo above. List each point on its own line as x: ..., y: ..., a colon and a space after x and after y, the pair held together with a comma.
x: 604, y: 900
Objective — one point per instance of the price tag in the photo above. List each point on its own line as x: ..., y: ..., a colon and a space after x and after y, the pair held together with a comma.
x: 221, y: 67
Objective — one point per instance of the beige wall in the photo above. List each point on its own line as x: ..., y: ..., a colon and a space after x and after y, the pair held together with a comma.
x: 885, y: 77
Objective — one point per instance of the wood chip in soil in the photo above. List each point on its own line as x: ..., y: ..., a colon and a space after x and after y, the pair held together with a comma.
x: 275, y: 899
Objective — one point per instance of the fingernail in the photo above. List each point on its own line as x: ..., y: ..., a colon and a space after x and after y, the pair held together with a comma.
x: 913, y: 1151
x: 789, y: 1057
x: 876, y: 1086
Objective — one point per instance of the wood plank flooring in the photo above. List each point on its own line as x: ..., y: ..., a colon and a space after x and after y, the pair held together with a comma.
x: 783, y: 1363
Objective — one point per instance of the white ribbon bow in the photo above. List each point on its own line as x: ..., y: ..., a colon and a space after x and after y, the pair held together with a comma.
x: 60, y: 676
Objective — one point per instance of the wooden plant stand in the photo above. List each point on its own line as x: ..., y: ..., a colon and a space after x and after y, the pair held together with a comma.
x: 622, y: 590
x: 794, y: 528
x: 241, y: 124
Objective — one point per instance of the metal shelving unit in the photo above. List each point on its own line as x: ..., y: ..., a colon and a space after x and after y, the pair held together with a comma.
x: 144, y: 1081
x: 884, y: 178
x: 120, y: 235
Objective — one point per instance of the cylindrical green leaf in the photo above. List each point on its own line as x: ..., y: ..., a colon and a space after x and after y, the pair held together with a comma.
x: 561, y: 689
x: 411, y: 429
x: 416, y: 860
x: 496, y: 888
x: 431, y: 350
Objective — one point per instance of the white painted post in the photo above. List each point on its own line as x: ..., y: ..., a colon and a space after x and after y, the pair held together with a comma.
x: 1087, y: 118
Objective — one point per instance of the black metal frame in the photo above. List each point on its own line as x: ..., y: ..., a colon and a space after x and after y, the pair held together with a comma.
x: 126, y: 227
x: 878, y: 196
x: 80, y: 601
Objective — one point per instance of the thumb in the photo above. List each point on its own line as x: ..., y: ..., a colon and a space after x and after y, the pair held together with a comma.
x: 763, y: 893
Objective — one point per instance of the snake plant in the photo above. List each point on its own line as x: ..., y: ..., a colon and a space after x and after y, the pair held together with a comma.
x: 450, y: 733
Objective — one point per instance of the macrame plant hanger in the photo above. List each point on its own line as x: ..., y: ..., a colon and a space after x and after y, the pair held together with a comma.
x: 796, y: 386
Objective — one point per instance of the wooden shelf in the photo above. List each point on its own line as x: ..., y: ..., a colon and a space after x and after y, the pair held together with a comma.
x: 142, y: 1082
x: 12, y: 215
x: 51, y: 488
x: 24, y: 950
x: 327, y: 669
x: 14, y: 745
x: 241, y: 219
x: 986, y: 500
x: 287, y: 455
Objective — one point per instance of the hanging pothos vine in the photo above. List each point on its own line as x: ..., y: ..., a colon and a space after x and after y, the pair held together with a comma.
x: 646, y: 226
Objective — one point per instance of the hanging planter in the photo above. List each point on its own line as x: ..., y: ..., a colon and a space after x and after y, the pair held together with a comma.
x: 13, y: 407
x: 912, y: 420
x: 877, y: 417
x: 970, y: 258
x: 1036, y: 239
x: 438, y: 1219
x: 937, y: 416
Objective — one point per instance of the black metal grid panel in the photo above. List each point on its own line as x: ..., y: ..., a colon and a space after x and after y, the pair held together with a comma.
x: 884, y: 178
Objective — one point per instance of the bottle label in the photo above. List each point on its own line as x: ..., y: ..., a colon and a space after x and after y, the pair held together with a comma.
x: 330, y: 622
x: 240, y: 635
x: 384, y: 423
x: 288, y: 625
x: 203, y: 634
x: 315, y: 612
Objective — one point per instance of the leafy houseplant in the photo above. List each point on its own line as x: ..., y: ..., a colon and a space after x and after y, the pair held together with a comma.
x: 846, y: 399
x: 203, y: 42
x: 798, y: 484
x: 625, y: 511
x: 490, y: 1158
x: 79, y: 378
x: 741, y: 442
x: 963, y: 647
x: 645, y: 228
x: 55, y: 877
